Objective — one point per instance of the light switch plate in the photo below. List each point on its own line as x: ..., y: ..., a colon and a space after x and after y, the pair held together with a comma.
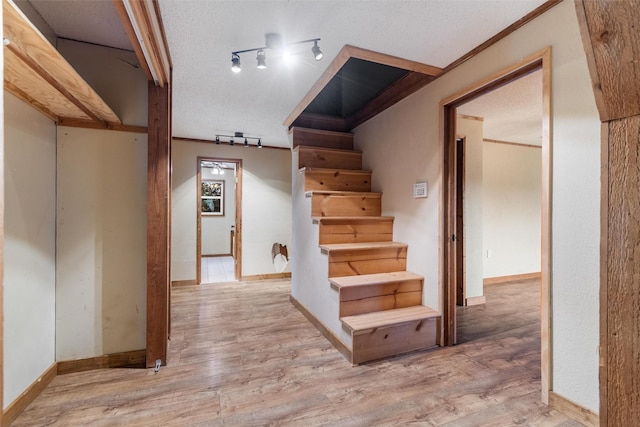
x: 420, y: 190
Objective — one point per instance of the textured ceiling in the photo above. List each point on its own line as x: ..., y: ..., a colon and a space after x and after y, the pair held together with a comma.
x: 512, y: 113
x: 209, y: 99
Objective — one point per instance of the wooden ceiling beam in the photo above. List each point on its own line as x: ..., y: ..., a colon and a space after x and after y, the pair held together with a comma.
x: 48, y: 78
x: 143, y: 24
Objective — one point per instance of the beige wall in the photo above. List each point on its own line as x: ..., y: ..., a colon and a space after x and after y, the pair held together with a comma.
x: 30, y: 249
x: 101, y: 242
x: 266, y: 204
x: 472, y: 132
x: 402, y: 146
x: 216, y: 229
x: 511, y: 193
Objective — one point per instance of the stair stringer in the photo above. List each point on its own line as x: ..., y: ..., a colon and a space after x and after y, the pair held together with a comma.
x: 310, y: 267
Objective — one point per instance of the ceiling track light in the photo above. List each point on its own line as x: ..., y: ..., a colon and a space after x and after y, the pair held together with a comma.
x: 235, y: 63
x: 272, y: 41
x: 239, y: 135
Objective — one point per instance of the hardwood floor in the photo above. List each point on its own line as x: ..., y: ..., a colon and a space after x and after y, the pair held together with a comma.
x: 242, y: 355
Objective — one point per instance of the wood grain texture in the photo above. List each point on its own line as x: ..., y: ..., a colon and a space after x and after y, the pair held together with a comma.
x: 15, y: 408
x: 623, y: 272
x: 575, y: 411
x: 127, y: 359
x: 604, y: 272
x: 321, y: 138
x: 88, y: 124
x: 321, y: 122
x: 479, y: 300
x: 158, y: 223
x: 47, y: 69
x: 317, y: 179
x: 510, y: 278
x: 318, y: 157
x: 328, y: 203
x: 355, y: 229
x: 184, y: 283
x: 611, y: 38
x: 250, y: 358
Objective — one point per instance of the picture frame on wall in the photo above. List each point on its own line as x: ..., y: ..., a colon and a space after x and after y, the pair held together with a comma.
x: 212, y: 197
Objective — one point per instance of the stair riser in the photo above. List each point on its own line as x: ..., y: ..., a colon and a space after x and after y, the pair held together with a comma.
x: 323, y: 180
x: 380, y: 303
x: 356, y: 232
x: 370, y: 298
x: 309, y: 158
x: 393, y: 340
x: 319, y: 138
x: 334, y: 205
x: 371, y: 264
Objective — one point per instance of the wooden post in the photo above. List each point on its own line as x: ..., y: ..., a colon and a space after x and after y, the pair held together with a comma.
x: 158, y: 223
x: 611, y: 39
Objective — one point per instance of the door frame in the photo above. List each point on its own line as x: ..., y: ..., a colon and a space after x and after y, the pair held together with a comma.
x: 538, y: 61
x: 237, y: 247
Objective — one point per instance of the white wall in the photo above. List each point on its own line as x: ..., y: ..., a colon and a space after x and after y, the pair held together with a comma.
x: 398, y: 162
x: 472, y: 130
x: 512, y: 181
x: 216, y: 229
x: 109, y: 73
x: 101, y: 242
x: 266, y: 204
x: 30, y: 251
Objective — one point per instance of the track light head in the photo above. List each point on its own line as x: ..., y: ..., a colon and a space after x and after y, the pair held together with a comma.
x: 262, y: 60
x: 259, y: 143
x: 235, y: 63
x: 217, y: 140
x: 317, y: 53
x: 231, y: 142
x: 246, y: 142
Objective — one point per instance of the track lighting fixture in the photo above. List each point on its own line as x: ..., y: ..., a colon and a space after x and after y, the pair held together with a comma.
x: 235, y: 63
x: 272, y: 41
x: 317, y: 53
x: 239, y: 135
x: 262, y: 60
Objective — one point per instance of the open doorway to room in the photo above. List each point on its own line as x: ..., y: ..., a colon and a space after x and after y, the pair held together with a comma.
x: 219, y: 195
x: 467, y: 258
x: 498, y: 181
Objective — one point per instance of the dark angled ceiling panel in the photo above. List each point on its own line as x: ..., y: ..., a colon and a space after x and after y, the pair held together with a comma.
x: 356, y: 84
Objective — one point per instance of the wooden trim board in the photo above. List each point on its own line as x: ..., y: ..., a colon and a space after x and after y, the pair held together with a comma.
x: 517, y: 144
x: 572, y: 409
x: 184, y: 282
x: 471, y: 301
x: 16, y: 407
x: 285, y: 275
x: 511, y: 278
x: 89, y: 124
x: 126, y: 359
x: 335, y: 341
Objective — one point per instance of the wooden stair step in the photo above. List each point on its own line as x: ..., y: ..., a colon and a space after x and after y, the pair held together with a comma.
x: 391, y: 332
x: 366, y: 323
x: 340, y: 283
x: 344, y: 203
x: 377, y: 292
x: 321, y: 138
x: 336, y: 179
x: 319, y: 157
x: 349, y: 259
x: 358, y: 229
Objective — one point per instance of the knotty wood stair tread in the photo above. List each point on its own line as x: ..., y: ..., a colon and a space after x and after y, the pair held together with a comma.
x: 342, y: 171
x: 362, y: 323
x: 335, y: 150
x: 310, y: 193
x: 342, y: 219
x: 373, y: 279
x: 361, y: 246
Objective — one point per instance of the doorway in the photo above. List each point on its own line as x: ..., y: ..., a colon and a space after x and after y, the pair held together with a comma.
x: 219, y: 220
x: 451, y: 245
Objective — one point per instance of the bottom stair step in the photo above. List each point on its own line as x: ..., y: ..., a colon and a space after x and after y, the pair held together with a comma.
x: 391, y: 332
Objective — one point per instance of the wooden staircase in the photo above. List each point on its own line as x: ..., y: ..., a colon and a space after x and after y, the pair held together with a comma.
x: 379, y: 302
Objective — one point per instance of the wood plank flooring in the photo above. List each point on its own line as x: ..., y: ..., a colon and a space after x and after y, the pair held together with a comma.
x: 242, y: 355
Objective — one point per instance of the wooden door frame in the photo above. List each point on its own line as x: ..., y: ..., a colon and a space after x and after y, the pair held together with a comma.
x: 237, y: 249
x: 461, y: 284
x: 538, y: 61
